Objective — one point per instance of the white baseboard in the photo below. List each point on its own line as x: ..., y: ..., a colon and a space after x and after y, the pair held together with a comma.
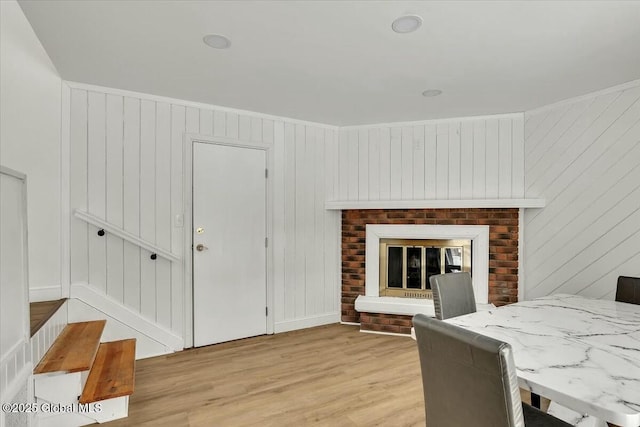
x: 307, y: 322
x: 114, y: 330
x: 350, y: 323
x: 45, y: 293
x: 394, y: 334
x: 125, y: 316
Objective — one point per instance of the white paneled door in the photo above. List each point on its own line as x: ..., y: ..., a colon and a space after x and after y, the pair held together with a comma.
x: 229, y: 253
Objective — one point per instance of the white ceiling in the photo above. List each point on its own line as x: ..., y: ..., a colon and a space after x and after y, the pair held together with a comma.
x: 339, y: 62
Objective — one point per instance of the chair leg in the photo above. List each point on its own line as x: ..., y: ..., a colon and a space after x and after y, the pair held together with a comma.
x: 535, y: 400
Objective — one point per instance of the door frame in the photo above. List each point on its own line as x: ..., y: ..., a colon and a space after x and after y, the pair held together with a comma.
x: 189, y: 140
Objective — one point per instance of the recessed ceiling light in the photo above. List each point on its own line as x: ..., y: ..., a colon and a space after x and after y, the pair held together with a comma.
x: 217, y: 41
x: 431, y: 92
x: 406, y: 24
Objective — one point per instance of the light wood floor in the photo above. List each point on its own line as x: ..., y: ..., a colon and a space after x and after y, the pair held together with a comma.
x: 40, y: 312
x: 327, y: 376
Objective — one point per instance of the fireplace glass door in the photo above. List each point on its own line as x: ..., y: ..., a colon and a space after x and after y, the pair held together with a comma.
x: 407, y: 265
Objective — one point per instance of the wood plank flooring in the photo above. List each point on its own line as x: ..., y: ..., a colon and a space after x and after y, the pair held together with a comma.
x: 40, y: 312
x: 331, y: 375
x: 327, y: 376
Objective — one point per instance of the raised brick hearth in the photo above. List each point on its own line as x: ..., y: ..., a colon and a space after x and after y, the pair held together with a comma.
x: 503, y: 255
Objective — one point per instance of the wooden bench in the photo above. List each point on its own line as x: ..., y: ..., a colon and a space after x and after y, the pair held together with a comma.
x: 113, y: 372
x: 74, y: 350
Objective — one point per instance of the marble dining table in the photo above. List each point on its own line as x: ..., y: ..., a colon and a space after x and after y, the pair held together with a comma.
x: 581, y: 353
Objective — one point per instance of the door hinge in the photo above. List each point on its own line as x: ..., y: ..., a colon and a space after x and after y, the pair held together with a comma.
x: 266, y: 242
x: 266, y: 173
x: 266, y: 311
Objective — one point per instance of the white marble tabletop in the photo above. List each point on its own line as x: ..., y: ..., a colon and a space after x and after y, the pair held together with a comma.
x: 579, y: 352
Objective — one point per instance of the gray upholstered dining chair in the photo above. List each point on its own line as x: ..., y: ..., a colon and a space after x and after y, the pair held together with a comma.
x: 452, y: 295
x: 628, y: 290
x: 470, y: 379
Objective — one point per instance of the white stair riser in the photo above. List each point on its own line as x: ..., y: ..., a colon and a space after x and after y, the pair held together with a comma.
x: 60, y: 388
x: 67, y: 419
x: 84, y: 414
x: 112, y: 409
x: 63, y: 389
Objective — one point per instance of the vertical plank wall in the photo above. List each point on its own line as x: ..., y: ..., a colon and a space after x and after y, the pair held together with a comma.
x: 583, y: 157
x: 126, y: 168
x: 474, y: 158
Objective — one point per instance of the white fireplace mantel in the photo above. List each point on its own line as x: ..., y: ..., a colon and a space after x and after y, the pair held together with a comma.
x: 434, y: 204
x: 372, y: 302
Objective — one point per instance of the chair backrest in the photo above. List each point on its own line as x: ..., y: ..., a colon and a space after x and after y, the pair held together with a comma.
x: 628, y: 290
x: 468, y: 379
x: 452, y: 295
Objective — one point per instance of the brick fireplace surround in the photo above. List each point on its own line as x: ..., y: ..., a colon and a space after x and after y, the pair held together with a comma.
x: 503, y: 256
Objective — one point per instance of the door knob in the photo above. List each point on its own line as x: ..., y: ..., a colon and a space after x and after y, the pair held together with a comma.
x: 200, y: 247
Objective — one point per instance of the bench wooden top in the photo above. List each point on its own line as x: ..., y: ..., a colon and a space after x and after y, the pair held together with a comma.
x: 74, y: 349
x: 113, y: 372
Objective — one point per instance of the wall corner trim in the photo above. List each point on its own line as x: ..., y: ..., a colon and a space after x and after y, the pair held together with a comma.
x: 566, y: 101
x: 424, y: 122
x: 186, y: 103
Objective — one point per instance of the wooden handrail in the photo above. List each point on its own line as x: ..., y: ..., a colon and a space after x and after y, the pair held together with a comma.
x: 117, y: 231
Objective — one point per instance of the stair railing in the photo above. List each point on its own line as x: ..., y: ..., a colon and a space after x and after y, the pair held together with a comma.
x: 104, y: 226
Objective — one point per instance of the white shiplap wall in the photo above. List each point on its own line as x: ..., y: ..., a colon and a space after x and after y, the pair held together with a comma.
x: 473, y: 158
x: 126, y: 168
x: 307, y: 251
x: 583, y: 157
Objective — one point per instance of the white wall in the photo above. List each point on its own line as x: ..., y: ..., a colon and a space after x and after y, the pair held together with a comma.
x: 15, y: 357
x: 306, y: 236
x: 124, y: 156
x: 126, y: 168
x: 583, y: 157
x: 471, y: 158
x: 30, y: 96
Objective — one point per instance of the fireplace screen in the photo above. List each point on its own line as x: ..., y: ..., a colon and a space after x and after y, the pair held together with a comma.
x: 406, y: 265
